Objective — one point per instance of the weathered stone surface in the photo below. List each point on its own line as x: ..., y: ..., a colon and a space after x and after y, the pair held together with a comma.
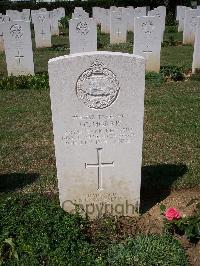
x: 97, y: 102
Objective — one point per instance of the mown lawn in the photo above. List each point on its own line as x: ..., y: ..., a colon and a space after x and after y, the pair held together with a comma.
x: 171, y: 125
x: 27, y: 167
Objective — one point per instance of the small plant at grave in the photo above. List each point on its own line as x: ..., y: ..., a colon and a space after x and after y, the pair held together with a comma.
x: 181, y: 224
x: 35, y: 82
x: 171, y: 40
x: 8, y: 251
x: 34, y: 230
x: 148, y: 250
x: 153, y: 78
x: 172, y: 29
x: 64, y: 22
x: 173, y: 73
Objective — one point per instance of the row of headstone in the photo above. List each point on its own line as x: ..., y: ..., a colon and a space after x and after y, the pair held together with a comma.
x: 15, y: 37
x: 187, y: 21
x: 107, y: 17
x: 148, y: 31
x: 17, y: 15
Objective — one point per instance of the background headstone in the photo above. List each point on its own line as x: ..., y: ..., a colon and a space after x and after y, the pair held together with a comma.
x: 105, y: 20
x: 18, y: 48
x: 118, y: 26
x: 3, y: 19
x: 42, y: 30
x: 82, y: 35
x: 196, y: 53
x: 147, y: 42
x: 190, y: 23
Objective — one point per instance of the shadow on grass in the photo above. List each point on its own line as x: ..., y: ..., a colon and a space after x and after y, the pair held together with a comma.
x: 12, y: 181
x: 157, y: 181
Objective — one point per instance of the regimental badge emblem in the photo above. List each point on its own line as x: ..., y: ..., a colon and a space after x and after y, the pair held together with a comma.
x: 41, y: 18
x: 82, y: 28
x: 16, y: 31
x: 97, y: 87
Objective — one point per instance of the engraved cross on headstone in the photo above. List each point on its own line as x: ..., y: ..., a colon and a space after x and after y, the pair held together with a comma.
x: 18, y: 57
x: 42, y: 33
x: 118, y: 32
x: 99, y: 165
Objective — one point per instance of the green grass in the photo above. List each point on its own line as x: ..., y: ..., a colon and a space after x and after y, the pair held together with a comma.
x: 34, y: 230
x: 171, y: 125
x: 36, y: 227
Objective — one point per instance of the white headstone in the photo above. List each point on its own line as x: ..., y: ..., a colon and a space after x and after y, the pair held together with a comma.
x: 196, y: 53
x: 105, y: 20
x: 14, y: 14
x: 160, y: 14
x: 26, y: 14
x: 79, y: 13
x: 41, y: 10
x: 181, y: 16
x: 18, y: 48
x: 190, y: 23
x: 54, y: 25
x: 129, y: 12
x: 97, y: 102
x: 118, y: 26
x: 42, y: 30
x: 96, y: 14
x: 3, y: 19
x: 140, y: 11
x: 82, y: 35
x: 147, y: 42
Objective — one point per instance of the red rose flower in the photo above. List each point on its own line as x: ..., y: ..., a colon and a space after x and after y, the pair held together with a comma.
x: 171, y: 214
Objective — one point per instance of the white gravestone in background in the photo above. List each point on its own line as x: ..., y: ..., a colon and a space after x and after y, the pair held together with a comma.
x: 41, y: 10
x: 3, y: 19
x: 147, y: 42
x: 79, y: 13
x: 14, y: 14
x: 196, y: 53
x: 97, y: 102
x: 118, y: 26
x: 129, y: 13
x: 61, y: 12
x: 42, y: 30
x: 190, y: 23
x: 26, y: 14
x: 18, y: 48
x: 96, y: 14
x: 82, y: 35
x: 54, y: 25
x: 161, y: 20
x: 181, y: 17
x: 140, y: 11
x: 105, y: 20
